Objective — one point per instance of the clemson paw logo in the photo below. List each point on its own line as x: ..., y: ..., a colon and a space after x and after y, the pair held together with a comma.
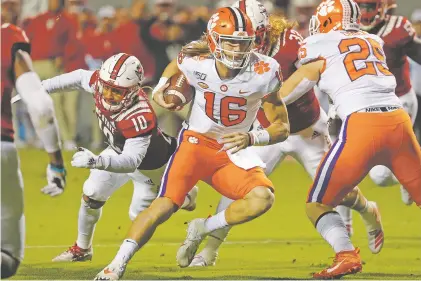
x: 261, y: 67
x: 212, y: 21
x: 326, y: 7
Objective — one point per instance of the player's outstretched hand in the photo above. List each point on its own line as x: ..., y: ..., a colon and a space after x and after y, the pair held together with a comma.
x: 234, y: 142
x: 56, y: 178
x: 158, y: 97
x: 84, y: 158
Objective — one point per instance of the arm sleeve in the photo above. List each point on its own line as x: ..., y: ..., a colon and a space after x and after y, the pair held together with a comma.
x: 79, y: 79
x: 132, y: 156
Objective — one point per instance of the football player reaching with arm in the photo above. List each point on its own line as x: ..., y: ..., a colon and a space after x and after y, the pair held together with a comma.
x: 138, y: 150
x: 231, y: 61
x: 41, y: 110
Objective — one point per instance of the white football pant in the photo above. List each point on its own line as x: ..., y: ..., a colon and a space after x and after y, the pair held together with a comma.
x: 12, y: 218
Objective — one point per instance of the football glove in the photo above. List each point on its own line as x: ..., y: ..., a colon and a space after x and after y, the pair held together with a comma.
x: 84, y: 158
x: 56, y: 178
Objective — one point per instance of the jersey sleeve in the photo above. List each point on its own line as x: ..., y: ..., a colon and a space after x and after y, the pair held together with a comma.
x: 137, y: 124
x: 275, y: 80
x: 187, y: 65
x: 311, y: 49
x: 79, y: 79
x: 403, y: 32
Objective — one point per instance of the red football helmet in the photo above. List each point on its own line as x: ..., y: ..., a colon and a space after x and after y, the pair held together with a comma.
x: 335, y: 15
x: 230, y: 37
x: 373, y: 12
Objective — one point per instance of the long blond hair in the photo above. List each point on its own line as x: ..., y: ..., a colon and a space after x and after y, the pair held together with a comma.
x: 278, y: 25
x: 197, y: 48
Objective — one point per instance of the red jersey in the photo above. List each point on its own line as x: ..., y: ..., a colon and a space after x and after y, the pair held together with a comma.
x: 397, y: 32
x: 50, y: 33
x: 135, y: 121
x: 12, y: 38
x: 305, y: 111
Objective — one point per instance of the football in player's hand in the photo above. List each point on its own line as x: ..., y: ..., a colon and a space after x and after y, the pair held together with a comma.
x: 179, y: 92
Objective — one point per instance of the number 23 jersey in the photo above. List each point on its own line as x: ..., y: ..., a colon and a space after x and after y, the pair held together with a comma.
x: 355, y: 74
x: 227, y: 106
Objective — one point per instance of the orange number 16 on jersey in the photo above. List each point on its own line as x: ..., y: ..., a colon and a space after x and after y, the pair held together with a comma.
x: 229, y: 117
x: 366, y: 47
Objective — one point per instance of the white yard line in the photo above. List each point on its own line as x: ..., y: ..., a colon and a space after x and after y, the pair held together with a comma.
x: 178, y: 243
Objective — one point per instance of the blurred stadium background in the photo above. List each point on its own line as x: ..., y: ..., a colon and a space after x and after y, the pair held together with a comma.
x: 70, y: 34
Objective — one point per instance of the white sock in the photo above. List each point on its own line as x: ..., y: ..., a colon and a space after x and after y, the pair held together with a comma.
x: 345, y: 213
x: 86, y: 225
x: 216, y: 221
x: 333, y: 230
x: 216, y: 238
x: 126, y: 251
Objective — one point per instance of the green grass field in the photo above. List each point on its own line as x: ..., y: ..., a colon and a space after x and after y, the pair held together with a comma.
x: 280, y: 245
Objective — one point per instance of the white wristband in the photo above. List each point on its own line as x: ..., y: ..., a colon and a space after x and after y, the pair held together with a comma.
x: 260, y: 137
x: 162, y: 81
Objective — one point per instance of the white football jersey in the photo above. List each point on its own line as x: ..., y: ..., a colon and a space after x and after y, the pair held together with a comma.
x: 227, y: 106
x: 355, y: 75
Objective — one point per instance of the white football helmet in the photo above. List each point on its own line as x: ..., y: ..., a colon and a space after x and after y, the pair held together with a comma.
x: 259, y: 19
x: 119, y: 82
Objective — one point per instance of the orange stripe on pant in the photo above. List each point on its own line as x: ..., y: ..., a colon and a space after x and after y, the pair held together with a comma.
x: 200, y: 158
x: 367, y: 140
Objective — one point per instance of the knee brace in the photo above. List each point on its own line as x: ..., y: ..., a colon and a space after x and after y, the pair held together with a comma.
x: 9, y: 265
x: 93, y: 204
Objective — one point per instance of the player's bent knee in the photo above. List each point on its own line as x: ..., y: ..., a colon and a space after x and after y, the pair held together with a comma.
x: 9, y: 265
x: 382, y: 176
x: 92, y: 203
x: 263, y: 196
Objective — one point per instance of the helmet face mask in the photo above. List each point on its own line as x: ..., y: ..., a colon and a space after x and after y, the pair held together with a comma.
x: 230, y: 37
x: 373, y: 12
x: 233, y: 51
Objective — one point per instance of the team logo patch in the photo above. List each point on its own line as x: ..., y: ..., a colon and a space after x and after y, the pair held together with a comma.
x: 193, y: 140
x: 261, y: 67
x: 203, y: 85
x: 180, y: 57
x: 325, y: 8
x: 224, y: 88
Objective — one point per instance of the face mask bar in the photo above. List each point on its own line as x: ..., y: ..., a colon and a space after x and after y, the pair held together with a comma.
x: 234, y: 59
x: 314, y: 25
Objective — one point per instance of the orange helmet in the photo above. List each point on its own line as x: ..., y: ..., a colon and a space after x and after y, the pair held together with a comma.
x: 373, y: 12
x: 230, y: 37
x: 335, y: 15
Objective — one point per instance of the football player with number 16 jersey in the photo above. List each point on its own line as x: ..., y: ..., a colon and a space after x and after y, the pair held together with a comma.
x: 230, y: 86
